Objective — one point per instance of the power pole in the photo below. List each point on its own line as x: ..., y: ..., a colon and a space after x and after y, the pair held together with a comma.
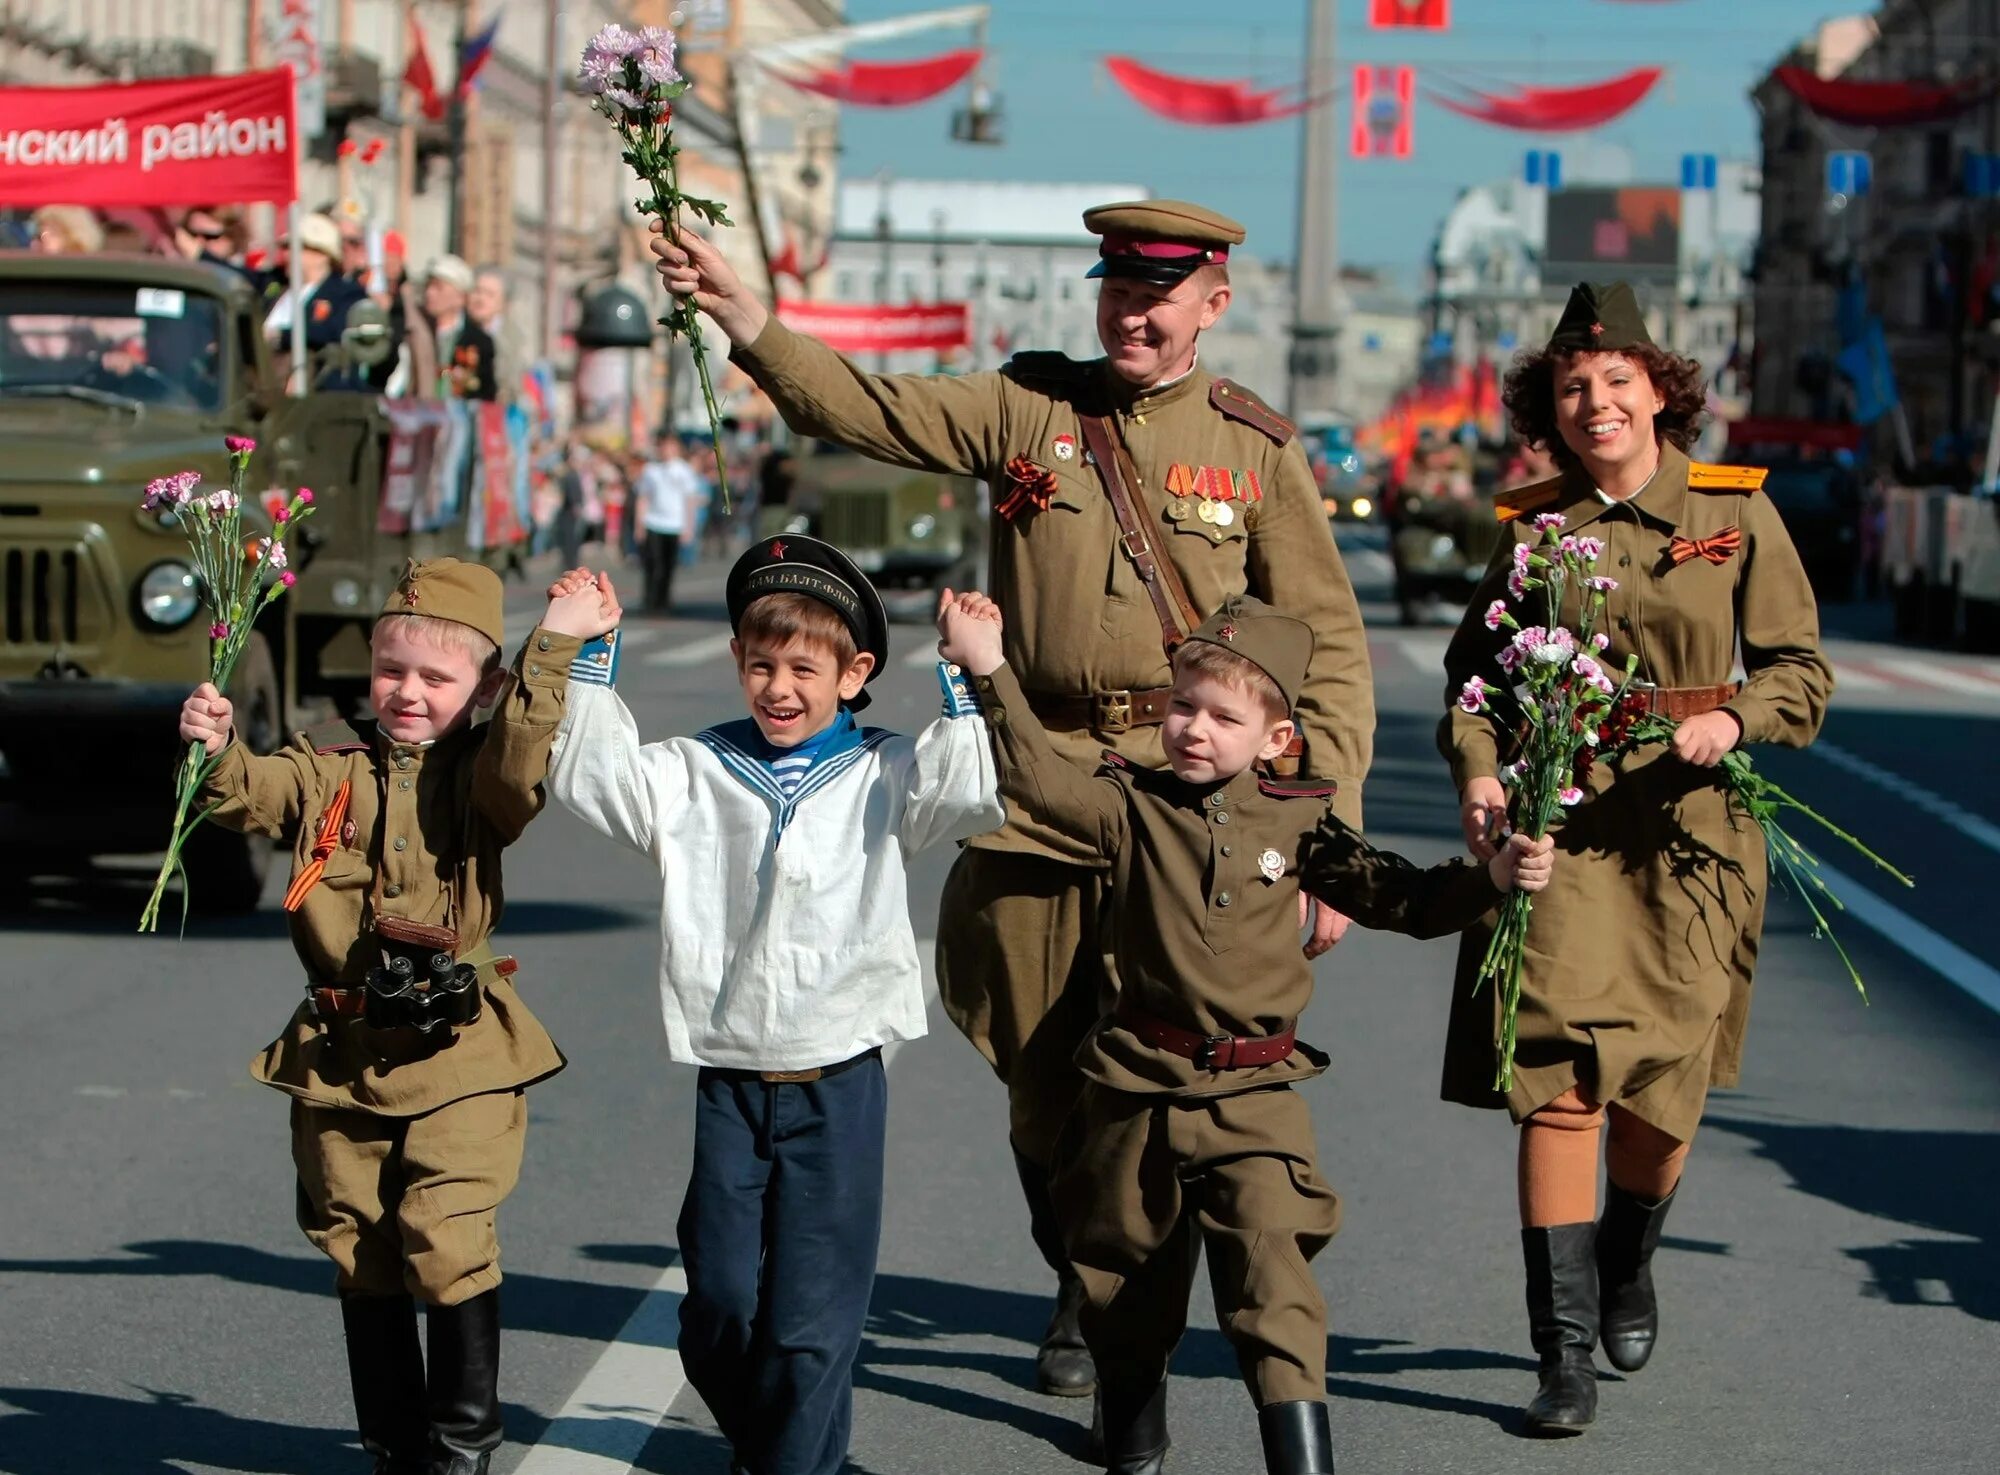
x: 552, y: 80
x: 1316, y: 259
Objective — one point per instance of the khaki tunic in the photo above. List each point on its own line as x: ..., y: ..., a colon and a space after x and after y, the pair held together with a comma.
x: 433, y: 821
x: 1078, y: 619
x: 1203, y: 932
x: 1642, y: 950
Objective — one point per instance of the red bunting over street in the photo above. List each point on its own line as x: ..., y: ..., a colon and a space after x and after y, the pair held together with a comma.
x: 1204, y: 103
x: 1557, y: 109
x: 1861, y: 104
x: 889, y: 84
x: 151, y: 143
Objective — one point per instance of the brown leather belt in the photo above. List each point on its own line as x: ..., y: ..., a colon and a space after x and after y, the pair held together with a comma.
x: 1209, y: 1052
x: 1104, y: 711
x: 794, y: 1077
x: 1678, y: 703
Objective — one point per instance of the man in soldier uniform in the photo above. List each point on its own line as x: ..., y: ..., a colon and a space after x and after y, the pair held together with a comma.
x: 1101, y: 563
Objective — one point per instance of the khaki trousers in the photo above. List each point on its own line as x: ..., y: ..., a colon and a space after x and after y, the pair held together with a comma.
x: 1141, y: 1183
x: 1021, y: 973
x: 409, y: 1203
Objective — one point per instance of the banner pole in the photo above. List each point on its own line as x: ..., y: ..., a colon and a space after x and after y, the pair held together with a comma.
x: 300, y: 372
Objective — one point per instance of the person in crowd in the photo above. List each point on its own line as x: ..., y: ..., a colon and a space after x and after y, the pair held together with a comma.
x: 323, y: 295
x: 465, y: 353
x: 785, y: 971
x: 667, y: 491
x: 572, y: 512
x: 1636, y: 994
x: 205, y: 233
x: 66, y: 230
x: 486, y: 305
x: 1103, y: 562
x: 409, y: 1060
x: 1188, y: 1134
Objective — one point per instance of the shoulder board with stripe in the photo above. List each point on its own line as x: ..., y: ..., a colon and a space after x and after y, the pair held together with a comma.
x: 1705, y: 477
x: 1297, y: 788
x: 1113, y: 760
x: 338, y: 737
x: 1512, y: 504
x: 1043, y: 366
x: 1240, y: 404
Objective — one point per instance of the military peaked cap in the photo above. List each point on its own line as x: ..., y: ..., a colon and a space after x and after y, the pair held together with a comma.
x: 467, y: 594
x: 1158, y: 241
x: 1601, y: 317
x: 1278, y: 645
x: 794, y: 564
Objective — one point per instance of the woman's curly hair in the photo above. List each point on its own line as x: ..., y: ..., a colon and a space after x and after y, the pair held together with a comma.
x: 1530, y: 397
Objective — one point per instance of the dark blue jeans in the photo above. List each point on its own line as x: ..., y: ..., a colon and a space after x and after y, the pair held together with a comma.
x: 779, y: 1233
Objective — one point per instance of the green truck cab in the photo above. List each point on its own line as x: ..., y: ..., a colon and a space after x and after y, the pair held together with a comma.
x: 115, y: 370
x: 907, y: 530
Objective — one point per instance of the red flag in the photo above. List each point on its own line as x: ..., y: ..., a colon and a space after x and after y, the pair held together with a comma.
x: 1410, y: 15
x: 1382, y: 98
x: 417, y: 74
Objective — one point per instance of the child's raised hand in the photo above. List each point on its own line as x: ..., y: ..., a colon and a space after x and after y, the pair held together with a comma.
x: 586, y: 607
x: 1523, y: 864
x: 969, y: 631
x: 206, y: 717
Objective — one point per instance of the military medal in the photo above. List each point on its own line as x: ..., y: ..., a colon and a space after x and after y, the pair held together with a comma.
x: 1178, y: 509
x: 1271, y: 865
x: 1224, y: 515
x: 1208, y: 510
x: 1064, y: 446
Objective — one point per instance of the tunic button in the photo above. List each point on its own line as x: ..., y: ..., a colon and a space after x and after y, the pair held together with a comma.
x: 401, y: 843
x: 1222, y: 816
x: 1626, y: 561
x: 534, y: 670
x: 1226, y: 852
x: 1223, y: 898
x: 402, y: 760
x: 402, y: 783
x: 542, y: 644
x: 1624, y: 623
x: 392, y: 891
x: 998, y: 717
x: 1215, y: 801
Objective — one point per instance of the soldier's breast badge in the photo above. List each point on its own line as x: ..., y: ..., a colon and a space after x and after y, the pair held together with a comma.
x: 1271, y: 865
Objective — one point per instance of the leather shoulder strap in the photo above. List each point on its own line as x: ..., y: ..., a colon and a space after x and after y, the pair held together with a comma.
x: 1241, y: 405
x: 1171, y: 605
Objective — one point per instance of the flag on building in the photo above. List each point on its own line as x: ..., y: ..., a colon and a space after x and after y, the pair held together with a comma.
x: 474, y: 53
x: 418, y: 76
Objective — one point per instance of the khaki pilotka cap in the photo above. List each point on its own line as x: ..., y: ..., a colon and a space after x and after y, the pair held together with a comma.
x: 467, y: 594
x: 1278, y: 645
x: 1601, y: 317
x: 1158, y: 241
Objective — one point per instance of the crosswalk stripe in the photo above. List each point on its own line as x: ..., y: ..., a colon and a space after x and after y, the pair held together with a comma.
x: 692, y: 653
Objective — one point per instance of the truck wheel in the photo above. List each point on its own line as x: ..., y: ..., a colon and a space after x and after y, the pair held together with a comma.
x: 226, y: 870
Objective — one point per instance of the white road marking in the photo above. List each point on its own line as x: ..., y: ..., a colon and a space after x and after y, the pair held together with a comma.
x: 1976, y: 829
x: 604, y: 1426
x: 1931, y: 948
x: 693, y: 652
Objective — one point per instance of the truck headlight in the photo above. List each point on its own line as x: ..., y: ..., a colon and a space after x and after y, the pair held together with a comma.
x: 922, y: 526
x: 166, y: 596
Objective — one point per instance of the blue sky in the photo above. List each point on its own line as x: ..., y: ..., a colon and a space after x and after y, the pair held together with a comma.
x: 1066, y: 120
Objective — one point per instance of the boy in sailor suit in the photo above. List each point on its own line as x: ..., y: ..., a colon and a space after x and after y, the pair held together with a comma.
x: 787, y: 962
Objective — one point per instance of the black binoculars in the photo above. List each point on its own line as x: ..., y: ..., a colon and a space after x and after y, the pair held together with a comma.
x: 445, y: 997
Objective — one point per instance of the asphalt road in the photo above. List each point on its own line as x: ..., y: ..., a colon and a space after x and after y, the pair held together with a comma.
x: 1832, y: 1301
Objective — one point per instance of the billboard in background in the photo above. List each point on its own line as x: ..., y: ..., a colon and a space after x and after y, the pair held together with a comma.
x: 1628, y: 233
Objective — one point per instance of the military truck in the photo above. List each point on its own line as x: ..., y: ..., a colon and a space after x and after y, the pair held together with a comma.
x: 907, y: 530
x: 115, y: 370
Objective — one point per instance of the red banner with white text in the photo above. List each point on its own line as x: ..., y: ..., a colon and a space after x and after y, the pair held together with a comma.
x: 192, y: 140
x: 848, y: 327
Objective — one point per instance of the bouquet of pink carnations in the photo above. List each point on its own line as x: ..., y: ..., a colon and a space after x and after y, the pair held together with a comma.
x: 236, y: 578
x: 633, y: 82
x: 1576, y: 712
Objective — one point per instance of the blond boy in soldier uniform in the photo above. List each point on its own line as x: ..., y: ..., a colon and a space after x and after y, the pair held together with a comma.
x: 1186, y: 1125
x: 408, y: 1059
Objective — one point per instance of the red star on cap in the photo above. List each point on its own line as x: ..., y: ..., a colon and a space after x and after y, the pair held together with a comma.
x: 410, y: 596
x: 1597, y: 330
x: 778, y: 550
x: 1227, y: 632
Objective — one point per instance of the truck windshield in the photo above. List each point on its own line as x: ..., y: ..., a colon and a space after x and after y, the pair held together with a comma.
x: 110, y: 342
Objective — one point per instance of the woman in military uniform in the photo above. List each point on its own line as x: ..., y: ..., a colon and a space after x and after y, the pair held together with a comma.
x: 1640, y: 958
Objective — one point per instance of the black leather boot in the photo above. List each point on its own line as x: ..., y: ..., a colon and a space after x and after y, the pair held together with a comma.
x: 1562, y: 1321
x: 464, y: 1384
x: 1298, y: 1439
x: 1627, y: 1235
x: 1135, y: 1430
x: 385, y: 1365
x: 1063, y: 1364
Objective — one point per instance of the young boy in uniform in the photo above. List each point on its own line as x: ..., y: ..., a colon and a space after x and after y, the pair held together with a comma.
x: 1186, y: 1125
x: 408, y: 1058
x: 787, y: 962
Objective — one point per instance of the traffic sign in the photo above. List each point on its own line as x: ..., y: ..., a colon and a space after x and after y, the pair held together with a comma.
x: 1698, y: 171
x: 1849, y: 172
x: 1543, y: 167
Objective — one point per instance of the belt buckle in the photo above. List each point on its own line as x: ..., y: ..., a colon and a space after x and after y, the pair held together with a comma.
x: 1205, y: 1052
x: 791, y: 1077
x: 1145, y: 545
x: 1114, y: 711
